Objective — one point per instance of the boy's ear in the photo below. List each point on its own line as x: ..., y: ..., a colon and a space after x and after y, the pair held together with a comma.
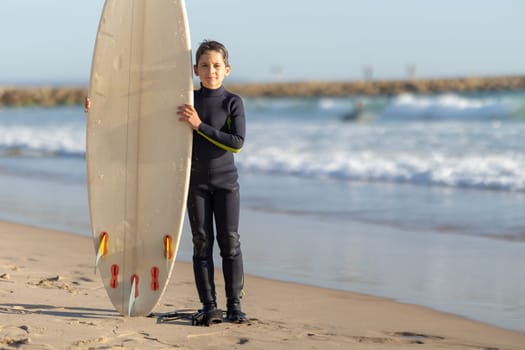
x: 195, y: 70
x: 228, y: 70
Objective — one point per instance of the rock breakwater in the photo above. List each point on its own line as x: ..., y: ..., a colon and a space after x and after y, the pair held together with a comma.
x: 54, y: 96
x: 381, y: 87
x: 41, y: 96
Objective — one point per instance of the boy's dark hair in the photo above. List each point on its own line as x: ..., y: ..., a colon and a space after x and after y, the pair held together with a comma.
x: 212, y: 45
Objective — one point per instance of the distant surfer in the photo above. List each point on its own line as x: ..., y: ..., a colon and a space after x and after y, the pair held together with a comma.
x: 354, y: 113
x: 218, y: 121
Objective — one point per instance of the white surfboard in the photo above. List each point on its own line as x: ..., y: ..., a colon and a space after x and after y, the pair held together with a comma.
x: 138, y: 152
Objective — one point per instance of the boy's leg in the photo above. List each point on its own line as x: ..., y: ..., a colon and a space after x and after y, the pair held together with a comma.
x: 201, y: 220
x: 226, y: 208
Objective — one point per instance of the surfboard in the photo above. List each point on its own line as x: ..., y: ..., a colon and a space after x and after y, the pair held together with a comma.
x: 138, y: 153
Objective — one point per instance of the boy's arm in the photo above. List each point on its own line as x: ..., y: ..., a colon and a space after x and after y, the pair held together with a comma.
x: 232, y: 139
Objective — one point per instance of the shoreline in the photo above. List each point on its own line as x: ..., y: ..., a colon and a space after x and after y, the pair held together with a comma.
x: 51, y: 299
x: 416, y: 266
x: 17, y: 96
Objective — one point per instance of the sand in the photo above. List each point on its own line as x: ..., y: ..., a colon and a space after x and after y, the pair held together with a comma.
x: 50, y: 298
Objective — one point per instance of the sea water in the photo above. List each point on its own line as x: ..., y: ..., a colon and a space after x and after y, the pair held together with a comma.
x: 420, y: 198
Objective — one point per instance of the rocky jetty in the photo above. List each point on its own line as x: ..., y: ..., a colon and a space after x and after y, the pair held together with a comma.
x: 41, y: 96
x: 54, y: 96
x: 380, y: 87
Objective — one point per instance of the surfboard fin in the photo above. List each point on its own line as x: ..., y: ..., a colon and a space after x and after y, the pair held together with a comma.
x: 102, y: 248
x: 134, y: 293
x: 168, y: 250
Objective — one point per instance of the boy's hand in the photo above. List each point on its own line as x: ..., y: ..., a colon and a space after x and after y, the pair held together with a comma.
x: 87, y: 104
x: 187, y: 113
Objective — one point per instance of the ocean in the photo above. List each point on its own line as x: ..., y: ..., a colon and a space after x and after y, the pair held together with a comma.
x: 418, y: 198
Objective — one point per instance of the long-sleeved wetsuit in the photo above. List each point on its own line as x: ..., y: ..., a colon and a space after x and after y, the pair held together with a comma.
x: 214, y: 191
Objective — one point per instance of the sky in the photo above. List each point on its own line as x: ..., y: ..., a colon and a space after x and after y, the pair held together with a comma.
x: 51, y: 41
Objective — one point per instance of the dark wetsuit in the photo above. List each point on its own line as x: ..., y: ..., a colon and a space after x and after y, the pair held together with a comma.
x: 214, y: 191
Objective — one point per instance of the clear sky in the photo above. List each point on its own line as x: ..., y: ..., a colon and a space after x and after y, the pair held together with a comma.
x: 51, y: 41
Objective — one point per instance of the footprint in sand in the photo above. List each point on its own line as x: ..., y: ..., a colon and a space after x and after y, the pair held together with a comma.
x: 13, y: 268
x: 14, y: 336
x: 131, y: 340
x: 89, y: 342
x: 5, y: 277
x: 54, y: 283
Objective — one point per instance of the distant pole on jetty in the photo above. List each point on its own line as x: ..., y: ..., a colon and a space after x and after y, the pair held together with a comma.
x: 368, y: 72
x: 411, y: 71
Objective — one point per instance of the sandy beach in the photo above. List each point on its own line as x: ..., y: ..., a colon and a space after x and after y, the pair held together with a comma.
x: 51, y: 299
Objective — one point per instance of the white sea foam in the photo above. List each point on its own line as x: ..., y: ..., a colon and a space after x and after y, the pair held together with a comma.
x: 463, y: 145
x: 42, y: 140
x: 503, y: 172
x: 471, y: 155
x: 447, y: 106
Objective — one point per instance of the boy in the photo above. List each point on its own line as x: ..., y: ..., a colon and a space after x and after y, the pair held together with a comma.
x: 218, y: 121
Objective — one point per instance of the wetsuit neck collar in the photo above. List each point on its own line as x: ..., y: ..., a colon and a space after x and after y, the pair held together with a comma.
x: 212, y: 92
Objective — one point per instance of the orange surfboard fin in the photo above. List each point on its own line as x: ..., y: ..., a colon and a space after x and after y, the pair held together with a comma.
x: 102, y: 247
x: 168, y: 247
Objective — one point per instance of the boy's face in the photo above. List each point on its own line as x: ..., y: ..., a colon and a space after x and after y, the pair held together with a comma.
x: 211, y: 69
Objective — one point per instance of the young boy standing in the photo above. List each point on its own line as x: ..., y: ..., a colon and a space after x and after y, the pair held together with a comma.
x: 218, y: 121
